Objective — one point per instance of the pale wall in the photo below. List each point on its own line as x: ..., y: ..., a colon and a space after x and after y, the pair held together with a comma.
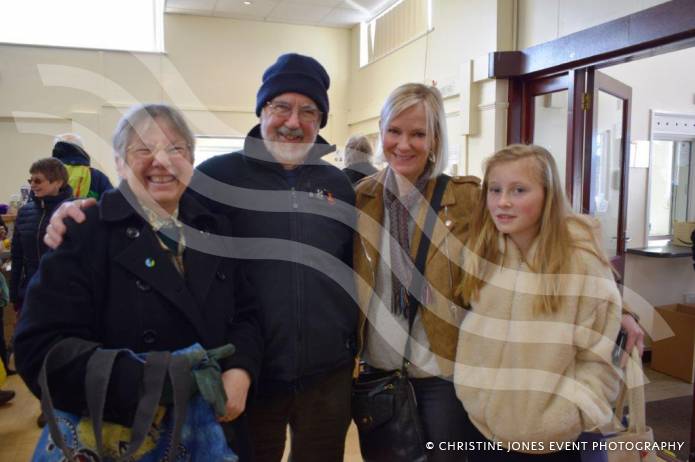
x: 544, y: 20
x: 463, y: 31
x: 212, y: 71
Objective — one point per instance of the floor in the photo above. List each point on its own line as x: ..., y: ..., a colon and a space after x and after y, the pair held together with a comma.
x: 18, y: 431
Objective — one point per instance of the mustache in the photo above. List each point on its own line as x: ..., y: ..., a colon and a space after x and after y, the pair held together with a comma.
x: 293, y: 132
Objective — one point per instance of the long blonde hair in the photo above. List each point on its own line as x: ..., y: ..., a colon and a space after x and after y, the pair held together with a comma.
x: 555, y: 242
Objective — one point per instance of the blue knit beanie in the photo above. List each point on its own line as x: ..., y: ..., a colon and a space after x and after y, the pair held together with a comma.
x: 295, y: 73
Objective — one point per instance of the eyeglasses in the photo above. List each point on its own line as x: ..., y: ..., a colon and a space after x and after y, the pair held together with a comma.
x: 172, y: 150
x: 36, y: 181
x: 284, y: 110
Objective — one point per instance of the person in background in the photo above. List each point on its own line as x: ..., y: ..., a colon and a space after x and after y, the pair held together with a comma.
x: 85, y: 181
x: 49, y: 188
x: 392, y: 207
x: 143, y: 272
x: 358, y: 154
x: 533, y: 363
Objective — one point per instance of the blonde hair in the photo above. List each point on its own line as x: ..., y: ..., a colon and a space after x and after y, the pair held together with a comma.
x: 407, y: 96
x: 555, y: 241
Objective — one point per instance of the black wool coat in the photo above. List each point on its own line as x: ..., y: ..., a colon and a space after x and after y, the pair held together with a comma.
x: 111, y: 282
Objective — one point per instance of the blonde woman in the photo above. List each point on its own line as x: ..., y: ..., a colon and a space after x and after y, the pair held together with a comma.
x: 392, y: 206
x: 533, y: 361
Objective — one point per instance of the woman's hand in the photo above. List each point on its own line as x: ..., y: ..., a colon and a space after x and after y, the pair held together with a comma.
x: 56, y: 227
x: 236, y: 385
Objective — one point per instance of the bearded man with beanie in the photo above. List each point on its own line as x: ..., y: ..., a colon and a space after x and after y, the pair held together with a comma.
x: 296, y: 213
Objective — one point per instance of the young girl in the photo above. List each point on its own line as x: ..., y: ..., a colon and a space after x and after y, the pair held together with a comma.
x: 533, y: 361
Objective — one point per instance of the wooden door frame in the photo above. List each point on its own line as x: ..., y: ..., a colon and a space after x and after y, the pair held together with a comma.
x: 598, y: 81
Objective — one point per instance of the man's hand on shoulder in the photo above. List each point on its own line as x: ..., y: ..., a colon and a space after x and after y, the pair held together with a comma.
x: 56, y: 227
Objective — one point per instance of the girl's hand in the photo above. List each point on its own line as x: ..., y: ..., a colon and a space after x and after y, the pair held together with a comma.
x: 236, y: 385
x: 635, y: 337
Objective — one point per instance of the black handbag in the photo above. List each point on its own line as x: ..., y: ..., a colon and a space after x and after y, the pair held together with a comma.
x: 384, y: 407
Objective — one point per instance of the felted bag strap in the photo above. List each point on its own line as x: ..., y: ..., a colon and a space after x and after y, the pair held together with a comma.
x: 99, y: 369
x: 60, y: 354
x: 419, y: 275
x: 181, y: 383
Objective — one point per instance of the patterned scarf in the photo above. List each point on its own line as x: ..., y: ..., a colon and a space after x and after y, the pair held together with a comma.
x: 402, y: 265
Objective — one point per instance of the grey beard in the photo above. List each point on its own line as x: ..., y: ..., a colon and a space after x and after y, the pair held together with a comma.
x: 288, y: 153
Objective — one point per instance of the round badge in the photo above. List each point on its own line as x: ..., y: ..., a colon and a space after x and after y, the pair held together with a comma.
x: 149, y: 262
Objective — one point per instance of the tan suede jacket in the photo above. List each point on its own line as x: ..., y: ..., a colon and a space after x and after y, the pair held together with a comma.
x: 530, y: 376
x: 442, y: 316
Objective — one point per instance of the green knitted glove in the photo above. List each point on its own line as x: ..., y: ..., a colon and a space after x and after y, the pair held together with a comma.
x: 207, y: 377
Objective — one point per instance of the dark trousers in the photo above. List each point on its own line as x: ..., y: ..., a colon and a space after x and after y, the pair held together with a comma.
x: 442, y: 415
x: 318, y: 415
x: 504, y: 456
x: 238, y: 438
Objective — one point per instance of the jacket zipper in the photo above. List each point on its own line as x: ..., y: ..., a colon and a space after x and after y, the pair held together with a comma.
x: 296, y: 277
x: 372, y: 271
x: 38, y: 230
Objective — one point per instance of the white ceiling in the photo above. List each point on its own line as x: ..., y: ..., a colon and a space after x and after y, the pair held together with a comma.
x: 328, y: 13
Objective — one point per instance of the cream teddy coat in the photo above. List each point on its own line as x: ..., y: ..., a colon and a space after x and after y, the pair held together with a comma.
x: 524, y: 375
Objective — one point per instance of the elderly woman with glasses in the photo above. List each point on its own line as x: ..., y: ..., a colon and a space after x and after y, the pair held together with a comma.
x: 145, y: 273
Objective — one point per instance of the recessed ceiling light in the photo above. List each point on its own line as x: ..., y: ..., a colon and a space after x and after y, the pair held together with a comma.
x: 247, y: 3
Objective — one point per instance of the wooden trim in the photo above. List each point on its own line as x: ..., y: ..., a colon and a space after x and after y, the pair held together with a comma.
x: 670, y: 25
x: 575, y: 139
x: 619, y: 90
x: 589, y: 121
x: 514, y: 113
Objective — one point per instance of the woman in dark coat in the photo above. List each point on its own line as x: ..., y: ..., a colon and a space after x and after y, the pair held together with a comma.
x: 49, y: 189
x: 144, y: 272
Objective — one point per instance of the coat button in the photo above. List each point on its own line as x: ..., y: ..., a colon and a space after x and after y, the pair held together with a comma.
x: 145, y: 287
x: 149, y: 336
x: 132, y: 233
x: 448, y: 223
x: 221, y: 276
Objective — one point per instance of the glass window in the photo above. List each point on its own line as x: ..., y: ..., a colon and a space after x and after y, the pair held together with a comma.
x: 209, y: 146
x: 669, y: 198
x: 400, y: 24
x: 133, y: 25
x: 550, y: 127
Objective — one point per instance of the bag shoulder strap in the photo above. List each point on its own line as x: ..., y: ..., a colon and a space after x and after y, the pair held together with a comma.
x: 632, y: 389
x: 61, y: 353
x: 433, y: 208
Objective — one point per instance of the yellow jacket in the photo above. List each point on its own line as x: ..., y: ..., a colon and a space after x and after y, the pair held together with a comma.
x: 441, y: 317
x: 524, y: 375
